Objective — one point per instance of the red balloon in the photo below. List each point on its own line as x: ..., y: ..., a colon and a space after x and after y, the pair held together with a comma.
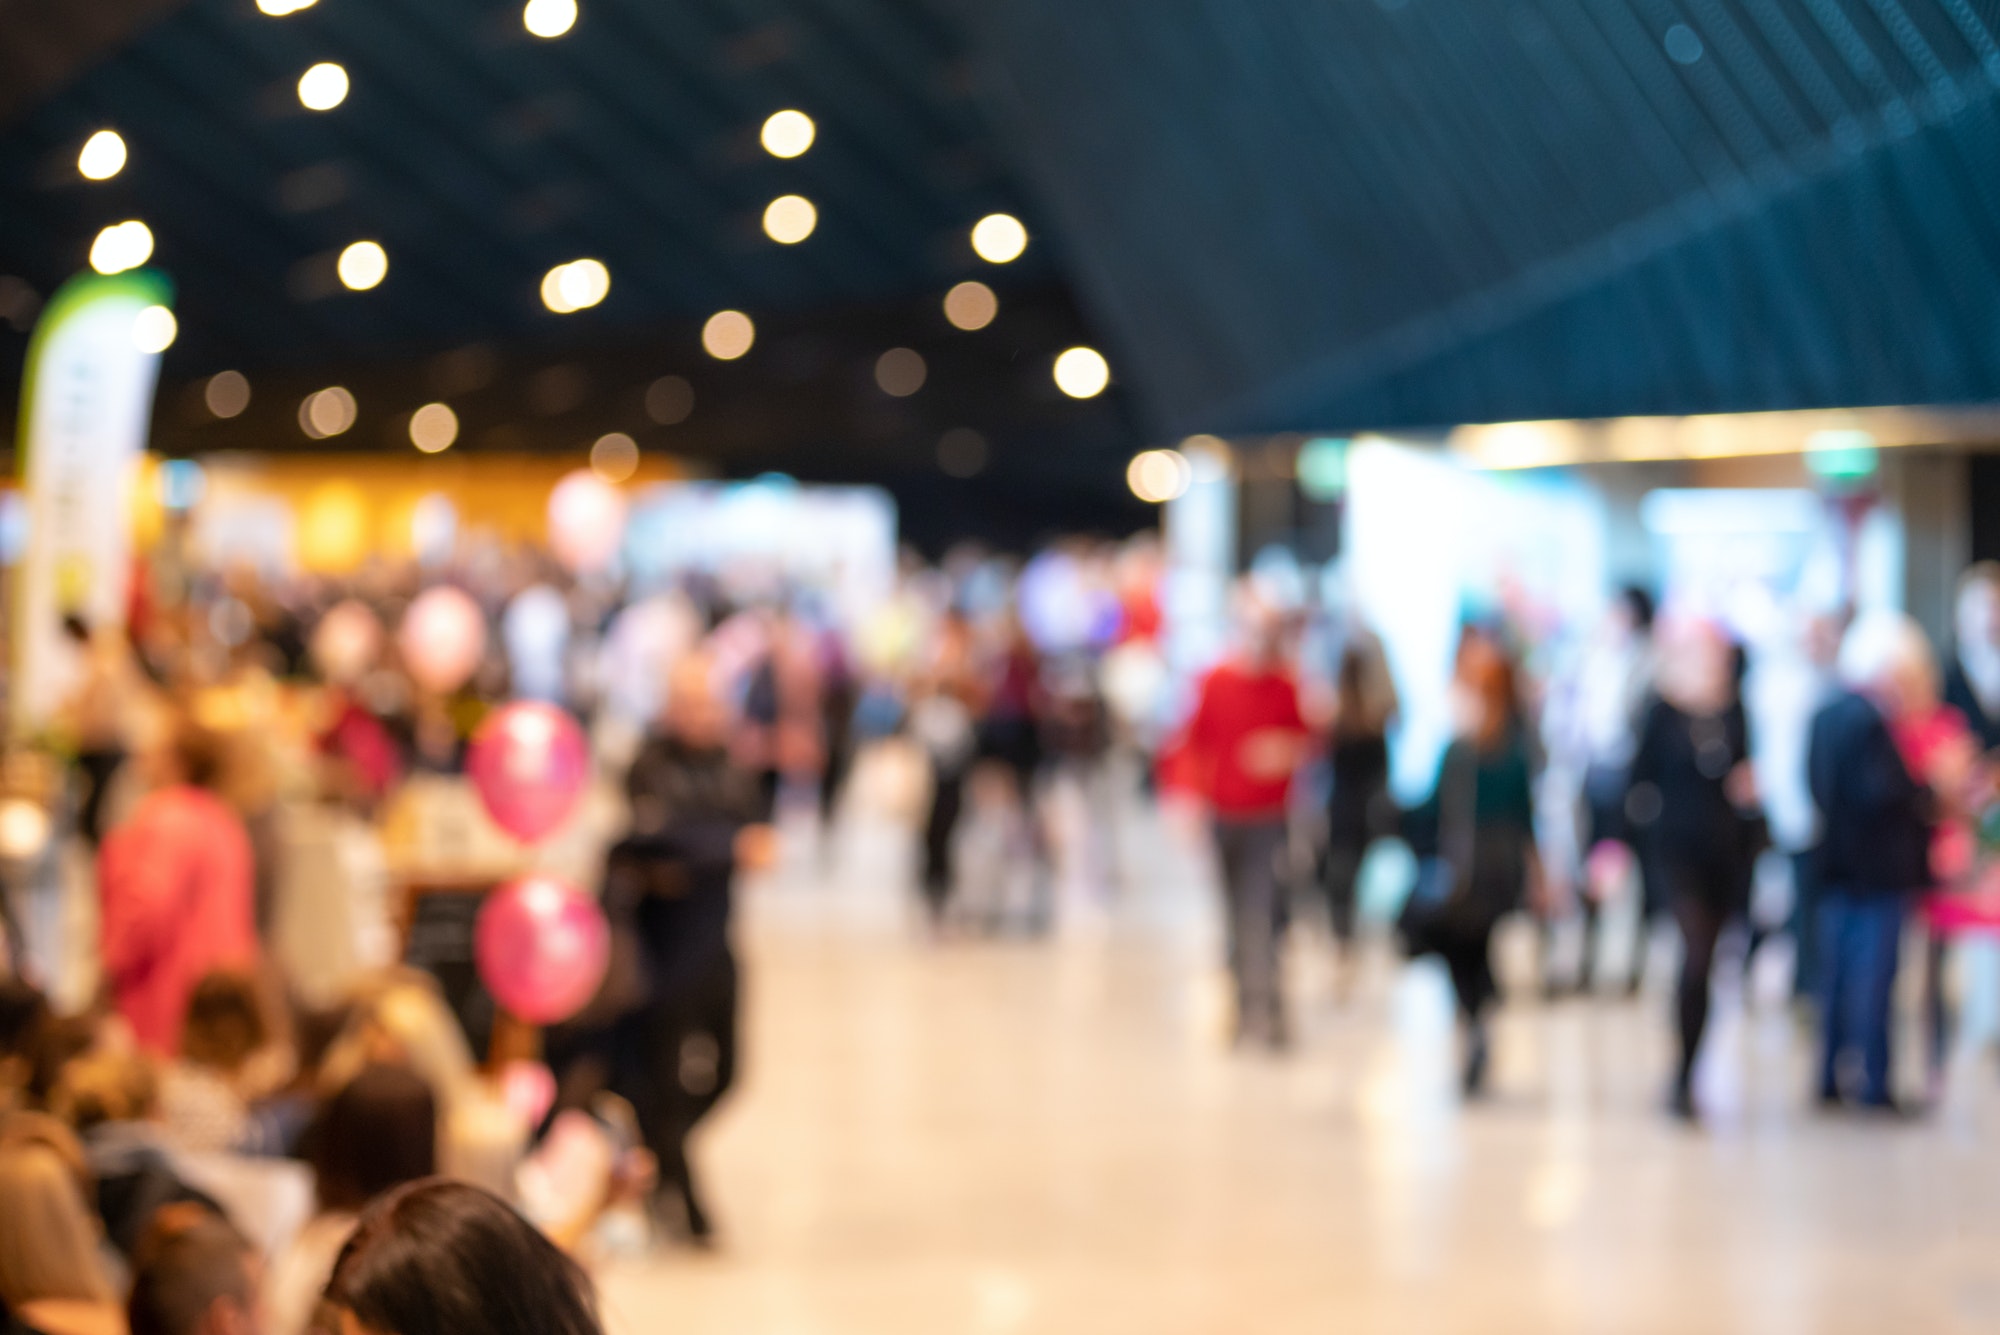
x: 542, y: 946
x: 529, y: 762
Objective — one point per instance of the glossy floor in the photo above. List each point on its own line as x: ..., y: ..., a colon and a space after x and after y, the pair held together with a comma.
x: 999, y: 1136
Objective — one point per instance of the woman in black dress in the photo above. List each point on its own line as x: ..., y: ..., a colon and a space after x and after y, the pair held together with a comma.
x: 1691, y: 788
x: 1360, y: 809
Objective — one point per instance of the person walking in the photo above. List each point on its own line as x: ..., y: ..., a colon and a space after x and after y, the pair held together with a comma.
x: 1691, y: 785
x: 1873, y: 852
x: 1245, y: 741
x: 1360, y: 809
x: 1476, y: 838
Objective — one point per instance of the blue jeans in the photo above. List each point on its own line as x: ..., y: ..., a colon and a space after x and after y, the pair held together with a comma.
x: 1860, y: 935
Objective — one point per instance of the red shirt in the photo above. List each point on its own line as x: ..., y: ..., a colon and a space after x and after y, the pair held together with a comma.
x: 175, y: 886
x: 1246, y: 738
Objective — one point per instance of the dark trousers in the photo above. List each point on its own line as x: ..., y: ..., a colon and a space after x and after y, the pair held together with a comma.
x: 1340, y: 873
x: 1860, y: 936
x: 1701, y: 923
x: 1248, y: 851
x: 1465, y: 943
x: 947, y: 799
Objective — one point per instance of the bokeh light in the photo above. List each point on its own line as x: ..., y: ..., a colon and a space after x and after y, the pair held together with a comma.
x: 277, y: 9
x: 121, y: 246
x: 153, y: 329
x: 961, y: 452
x: 615, y: 456
x: 787, y: 133
x: 728, y: 335
x: 227, y: 393
x: 900, y: 372
x: 327, y: 412
x: 433, y: 427
x: 1082, y: 373
x: 971, y: 305
x: 1158, y: 476
x: 669, y: 400
x: 999, y: 238
x: 575, y: 286
x: 363, y: 265
x: 790, y: 219
x: 323, y: 87
x: 549, y: 18
x: 102, y: 157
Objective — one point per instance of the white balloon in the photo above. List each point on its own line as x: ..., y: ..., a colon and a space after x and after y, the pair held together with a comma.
x: 442, y: 638
x: 586, y: 521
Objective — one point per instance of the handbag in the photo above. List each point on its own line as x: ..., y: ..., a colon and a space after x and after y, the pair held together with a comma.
x: 1442, y: 877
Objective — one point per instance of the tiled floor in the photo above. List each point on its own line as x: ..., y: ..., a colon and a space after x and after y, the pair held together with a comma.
x: 1045, y: 1137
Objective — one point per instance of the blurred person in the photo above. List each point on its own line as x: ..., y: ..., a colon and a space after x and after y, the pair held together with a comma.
x: 52, y: 1278
x: 1691, y: 783
x: 1614, y: 684
x: 948, y: 695
x: 227, y: 1062
x: 1360, y: 809
x: 403, y: 1020
x: 195, y: 1274
x: 98, y: 717
x: 376, y: 1133
x: 443, y: 1258
x: 24, y: 1012
x: 175, y: 885
x: 1476, y: 834
x: 1245, y: 741
x: 663, y: 1034
x: 1972, y: 679
x: 110, y: 1096
x: 1014, y: 710
x: 1874, y: 850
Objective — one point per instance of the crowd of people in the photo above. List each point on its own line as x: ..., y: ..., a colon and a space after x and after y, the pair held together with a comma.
x: 242, y: 1124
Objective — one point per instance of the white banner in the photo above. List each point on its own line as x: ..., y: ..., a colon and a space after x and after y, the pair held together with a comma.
x: 87, y: 397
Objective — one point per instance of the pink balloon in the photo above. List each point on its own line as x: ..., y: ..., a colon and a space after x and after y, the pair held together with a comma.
x: 586, y: 521
x: 542, y: 946
x: 529, y: 763
x: 442, y: 638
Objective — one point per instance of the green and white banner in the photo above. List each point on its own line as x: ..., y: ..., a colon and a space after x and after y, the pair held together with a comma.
x: 86, y: 401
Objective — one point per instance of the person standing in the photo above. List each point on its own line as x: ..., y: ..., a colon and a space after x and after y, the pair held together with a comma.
x: 1972, y: 681
x: 1476, y: 833
x: 1245, y: 741
x: 1691, y: 784
x: 1873, y: 852
x: 176, y: 890
x: 1360, y: 809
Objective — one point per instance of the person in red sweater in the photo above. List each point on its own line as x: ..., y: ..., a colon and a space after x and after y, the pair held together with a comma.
x: 1245, y: 741
x: 174, y: 885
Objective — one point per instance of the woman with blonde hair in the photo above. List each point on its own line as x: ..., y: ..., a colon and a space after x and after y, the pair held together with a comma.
x: 52, y: 1277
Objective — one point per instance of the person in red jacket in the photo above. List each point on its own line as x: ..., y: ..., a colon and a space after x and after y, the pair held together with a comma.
x: 1245, y: 741
x: 174, y: 885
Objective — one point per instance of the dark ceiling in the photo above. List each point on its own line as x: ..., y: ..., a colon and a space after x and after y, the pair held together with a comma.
x: 1273, y: 215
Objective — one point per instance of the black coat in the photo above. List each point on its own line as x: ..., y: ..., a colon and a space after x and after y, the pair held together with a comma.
x: 1875, y: 819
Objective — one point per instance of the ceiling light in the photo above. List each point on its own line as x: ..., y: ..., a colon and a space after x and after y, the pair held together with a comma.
x: 363, y: 265
x: 790, y: 219
x: 549, y: 18
x: 103, y: 156
x: 227, y: 393
x: 787, y: 133
x: 153, y: 329
x: 277, y: 9
x: 575, y: 286
x: 971, y: 306
x: 900, y: 372
x: 1082, y: 373
x: 669, y: 400
x: 121, y: 246
x: 728, y: 335
x: 323, y: 87
x: 1157, y: 476
x: 433, y: 427
x: 999, y: 238
x: 327, y: 412
x: 614, y: 457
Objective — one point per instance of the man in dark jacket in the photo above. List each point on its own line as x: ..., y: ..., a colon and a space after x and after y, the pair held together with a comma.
x: 1873, y: 850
